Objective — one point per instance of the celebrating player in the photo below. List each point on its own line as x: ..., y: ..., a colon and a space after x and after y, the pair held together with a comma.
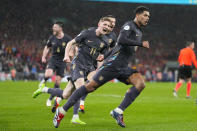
x: 116, y: 66
x: 57, y: 42
x: 186, y: 58
x: 91, y: 43
x: 111, y: 36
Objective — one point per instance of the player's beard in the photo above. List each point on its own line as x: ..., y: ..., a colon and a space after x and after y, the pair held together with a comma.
x: 56, y: 33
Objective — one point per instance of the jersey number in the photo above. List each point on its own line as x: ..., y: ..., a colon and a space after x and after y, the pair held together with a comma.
x: 93, y: 51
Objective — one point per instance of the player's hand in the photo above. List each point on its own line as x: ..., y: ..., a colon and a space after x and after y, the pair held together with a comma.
x: 66, y: 59
x: 145, y: 44
x: 100, y: 58
x: 44, y: 60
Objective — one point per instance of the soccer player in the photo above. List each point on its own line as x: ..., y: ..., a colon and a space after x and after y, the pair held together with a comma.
x: 57, y: 42
x: 91, y: 43
x: 111, y: 36
x: 116, y: 66
x: 186, y: 58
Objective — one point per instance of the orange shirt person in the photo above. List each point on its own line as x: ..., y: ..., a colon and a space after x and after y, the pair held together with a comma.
x: 186, y: 58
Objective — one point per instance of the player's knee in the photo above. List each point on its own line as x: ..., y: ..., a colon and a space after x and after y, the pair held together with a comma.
x: 65, y: 96
x: 91, y: 86
x: 140, y: 84
x: 79, y: 82
x: 48, y: 73
x: 138, y: 81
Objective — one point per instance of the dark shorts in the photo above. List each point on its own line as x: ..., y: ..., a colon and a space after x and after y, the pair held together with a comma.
x: 58, y: 66
x: 78, y: 71
x: 107, y: 73
x: 185, y: 72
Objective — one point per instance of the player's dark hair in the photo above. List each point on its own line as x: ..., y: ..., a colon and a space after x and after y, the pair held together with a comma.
x: 61, y: 24
x: 140, y: 9
x: 188, y: 43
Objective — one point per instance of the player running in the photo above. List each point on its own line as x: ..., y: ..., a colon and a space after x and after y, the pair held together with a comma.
x: 57, y: 42
x: 186, y: 58
x: 116, y: 66
x: 111, y: 36
x: 91, y: 43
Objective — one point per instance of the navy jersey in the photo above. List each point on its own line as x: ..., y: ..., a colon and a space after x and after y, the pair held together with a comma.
x: 111, y: 38
x: 129, y: 37
x: 58, y: 46
x: 90, y: 46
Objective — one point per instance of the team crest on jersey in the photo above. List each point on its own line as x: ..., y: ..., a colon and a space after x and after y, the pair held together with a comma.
x: 81, y: 72
x: 53, y: 43
x: 127, y: 27
x: 64, y: 44
x: 110, y: 41
x: 58, y: 49
x: 101, y: 78
x: 102, y: 45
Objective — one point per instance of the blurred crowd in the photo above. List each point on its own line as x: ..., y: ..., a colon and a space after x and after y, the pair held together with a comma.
x: 26, y: 25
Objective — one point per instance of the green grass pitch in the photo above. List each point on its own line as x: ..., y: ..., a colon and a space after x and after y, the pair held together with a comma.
x: 154, y: 110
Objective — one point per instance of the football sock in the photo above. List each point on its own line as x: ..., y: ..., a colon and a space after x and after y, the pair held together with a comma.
x: 55, y: 92
x: 76, y: 107
x: 59, y: 99
x: 51, y: 97
x: 129, y: 98
x: 61, y: 110
x: 81, y: 102
x: 75, y: 116
x: 120, y: 111
x: 77, y: 94
x: 178, y: 85
x: 189, y: 84
x: 83, y: 99
x: 45, y: 89
x: 56, y: 86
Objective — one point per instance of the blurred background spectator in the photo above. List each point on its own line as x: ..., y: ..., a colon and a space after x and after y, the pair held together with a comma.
x: 25, y: 26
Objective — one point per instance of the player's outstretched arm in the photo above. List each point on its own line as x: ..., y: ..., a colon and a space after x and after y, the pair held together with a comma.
x: 124, y: 40
x: 67, y: 50
x: 45, y: 52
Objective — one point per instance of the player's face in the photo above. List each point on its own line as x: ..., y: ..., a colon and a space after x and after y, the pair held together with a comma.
x: 143, y: 18
x: 103, y: 27
x: 112, y: 25
x: 56, y: 29
x: 192, y: 45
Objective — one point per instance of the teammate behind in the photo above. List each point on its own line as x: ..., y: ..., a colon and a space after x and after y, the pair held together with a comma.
x: 116, y: 66
x: 57, y: 42
x: 186, y: 58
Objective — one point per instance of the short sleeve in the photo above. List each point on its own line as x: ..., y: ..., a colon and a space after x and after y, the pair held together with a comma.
x: 81, y: 37
x: 49, y: 41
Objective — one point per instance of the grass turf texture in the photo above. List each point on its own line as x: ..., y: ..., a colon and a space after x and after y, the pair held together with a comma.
x: 154, y: 110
